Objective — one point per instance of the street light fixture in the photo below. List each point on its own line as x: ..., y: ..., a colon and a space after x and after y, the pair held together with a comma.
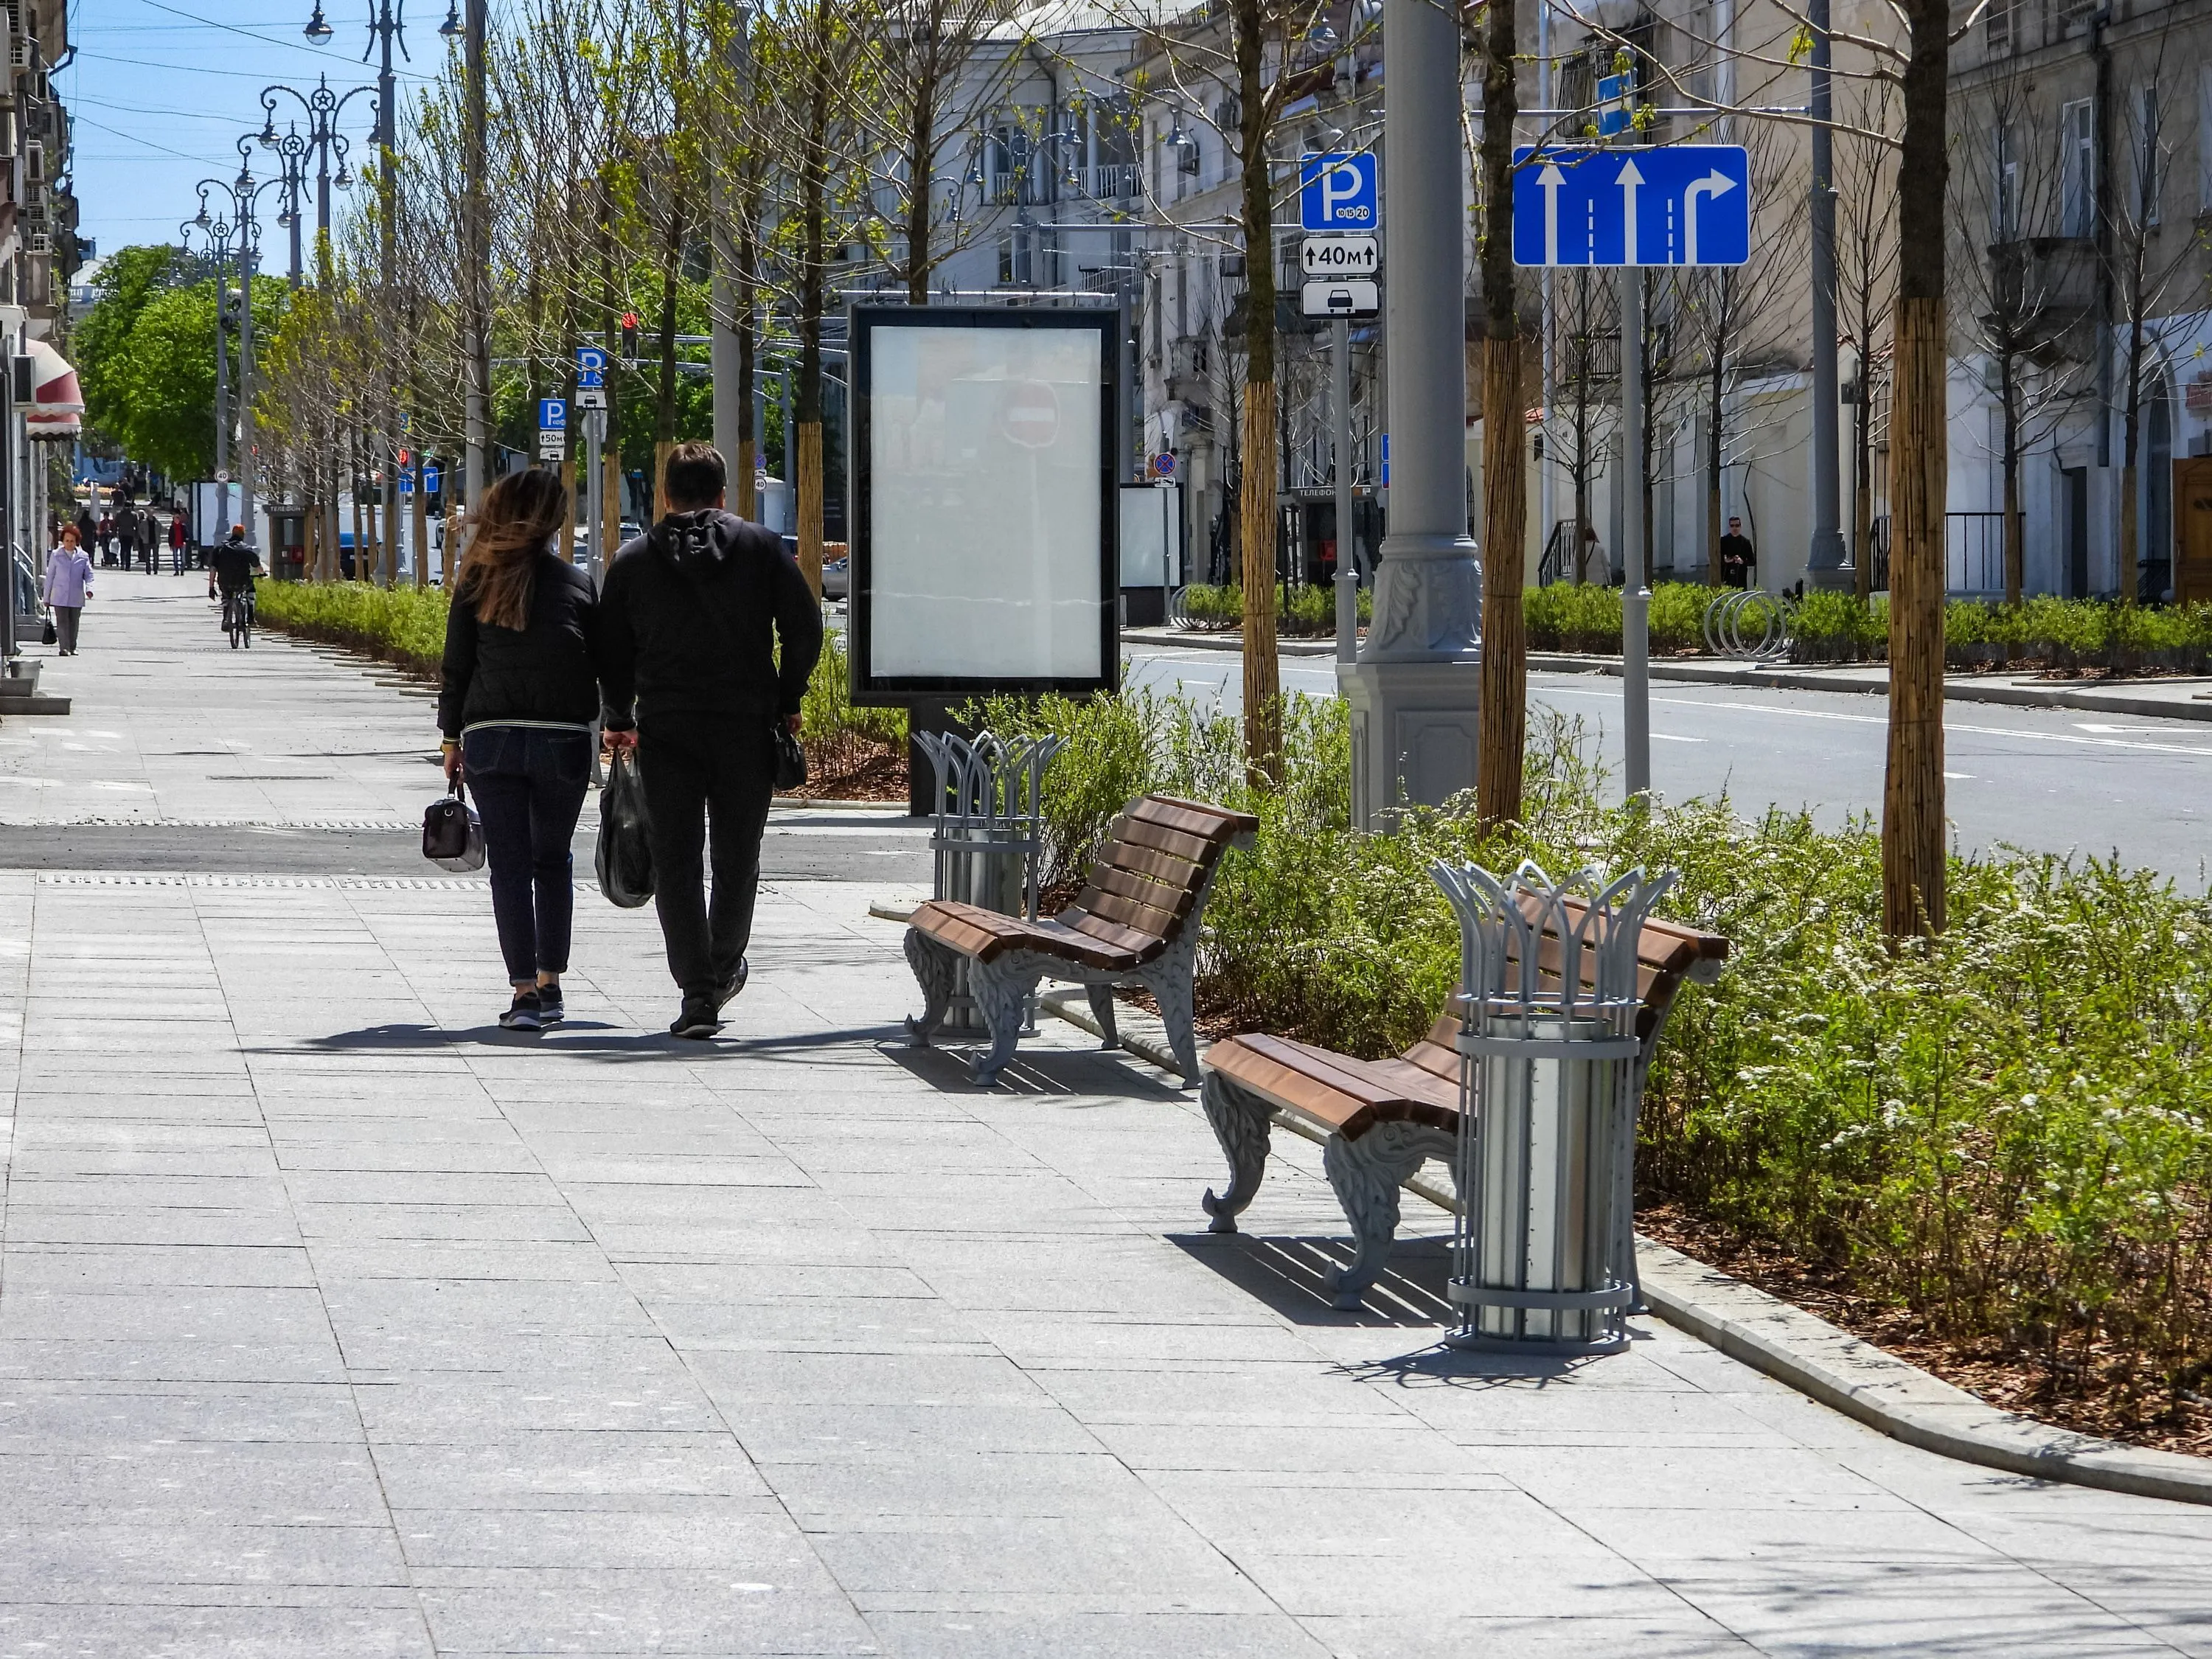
x: 453, y: 28
x: 319, y: 29
x: 322, y: 107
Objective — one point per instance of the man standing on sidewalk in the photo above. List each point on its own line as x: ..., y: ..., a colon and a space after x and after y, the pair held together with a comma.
x: 693, y: 613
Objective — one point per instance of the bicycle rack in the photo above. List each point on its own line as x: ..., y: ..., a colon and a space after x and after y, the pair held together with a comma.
x: 1750, y: 622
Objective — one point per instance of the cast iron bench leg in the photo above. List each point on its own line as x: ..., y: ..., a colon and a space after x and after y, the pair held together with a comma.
x: 1168, y: 979
x: 1102, y: 1010
x: 935, y: 967
x: 1365, y: 1174
x: 1002, y: 993
x: 1241, y: 1122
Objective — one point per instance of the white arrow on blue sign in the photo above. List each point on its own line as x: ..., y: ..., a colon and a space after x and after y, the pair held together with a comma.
x: 431, y: 479
x: 591, y: 366
x: 552, y: 414
x: 1669, y: 205
x: 1338, y: 191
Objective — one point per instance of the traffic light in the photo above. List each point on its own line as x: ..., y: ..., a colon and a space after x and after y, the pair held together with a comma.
x: 630, y: 337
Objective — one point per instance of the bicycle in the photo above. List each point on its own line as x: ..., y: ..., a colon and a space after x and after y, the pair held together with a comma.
x: 238, y: 618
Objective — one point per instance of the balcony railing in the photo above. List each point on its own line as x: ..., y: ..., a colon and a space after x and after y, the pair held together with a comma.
x: 1112, y: 181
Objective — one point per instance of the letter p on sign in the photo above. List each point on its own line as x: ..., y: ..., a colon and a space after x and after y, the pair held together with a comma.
x: 1337, y: 192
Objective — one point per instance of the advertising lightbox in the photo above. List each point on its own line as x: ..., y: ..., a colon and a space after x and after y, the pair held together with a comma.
x: 984, y: 541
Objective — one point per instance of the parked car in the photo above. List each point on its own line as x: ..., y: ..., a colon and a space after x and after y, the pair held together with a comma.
x: 837, y: 578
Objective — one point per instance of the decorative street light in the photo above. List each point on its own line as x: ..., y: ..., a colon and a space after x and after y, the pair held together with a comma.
x: 216, y: 234
x: 242, y: 197
x: 322, y: 107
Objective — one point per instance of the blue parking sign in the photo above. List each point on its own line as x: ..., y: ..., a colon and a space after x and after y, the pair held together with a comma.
x: 591, y: 366
x: 1338, y: 191
x: 552, y: 414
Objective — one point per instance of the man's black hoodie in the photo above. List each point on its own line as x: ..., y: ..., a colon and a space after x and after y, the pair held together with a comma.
x: 693, y: 611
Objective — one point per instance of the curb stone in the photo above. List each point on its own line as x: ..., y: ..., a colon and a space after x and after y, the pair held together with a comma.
x: 1855, y: 678
x: 1830, y: 1365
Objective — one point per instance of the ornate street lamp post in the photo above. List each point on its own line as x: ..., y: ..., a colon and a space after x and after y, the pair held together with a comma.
x: 322, y: 107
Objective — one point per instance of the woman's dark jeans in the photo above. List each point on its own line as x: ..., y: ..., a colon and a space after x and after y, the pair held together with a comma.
x: 529, y: 788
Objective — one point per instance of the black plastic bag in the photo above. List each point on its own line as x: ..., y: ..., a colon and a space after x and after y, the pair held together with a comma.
x: 625, y: 857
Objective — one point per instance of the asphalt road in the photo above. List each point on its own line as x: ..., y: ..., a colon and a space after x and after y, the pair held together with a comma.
x: 2047, y: 779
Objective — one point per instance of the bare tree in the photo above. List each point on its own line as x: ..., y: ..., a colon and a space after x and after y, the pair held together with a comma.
x: 2021, y: 290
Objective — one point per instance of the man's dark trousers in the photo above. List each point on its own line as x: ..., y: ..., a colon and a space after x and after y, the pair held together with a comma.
x: 705, y: 775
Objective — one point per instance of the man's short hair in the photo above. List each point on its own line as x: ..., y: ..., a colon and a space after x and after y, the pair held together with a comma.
x: 238, y: 530
x: 693, y: 477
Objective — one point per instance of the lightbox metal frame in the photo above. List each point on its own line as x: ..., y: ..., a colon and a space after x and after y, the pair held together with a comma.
x: 877, y: 690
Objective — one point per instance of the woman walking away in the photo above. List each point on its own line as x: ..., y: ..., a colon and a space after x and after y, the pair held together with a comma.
x: 69, y: 584
x: 521, y: 688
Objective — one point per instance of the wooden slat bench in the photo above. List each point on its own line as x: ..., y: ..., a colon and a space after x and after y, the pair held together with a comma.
x: 1135, y: 923
x: 1380, y: 1120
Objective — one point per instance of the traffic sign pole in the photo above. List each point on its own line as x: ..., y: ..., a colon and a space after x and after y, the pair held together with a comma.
x: 1635, y: 591
x: 1348, y: 573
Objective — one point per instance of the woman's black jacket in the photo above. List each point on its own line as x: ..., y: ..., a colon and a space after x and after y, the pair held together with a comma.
x: 547, y: 672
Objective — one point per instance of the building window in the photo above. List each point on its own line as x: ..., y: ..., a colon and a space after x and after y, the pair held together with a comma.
x: 2006, y: 225
x: 1016, y: 268
x: 2077, y: 133
x: 2147, y: 161
x: 1997, y: 29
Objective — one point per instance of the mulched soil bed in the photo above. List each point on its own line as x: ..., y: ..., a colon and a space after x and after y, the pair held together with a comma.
x: 877, y: 776
x: 2006, y: 1379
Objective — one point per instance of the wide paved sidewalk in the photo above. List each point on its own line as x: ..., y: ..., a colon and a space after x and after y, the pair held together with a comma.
x: 335, y: 1321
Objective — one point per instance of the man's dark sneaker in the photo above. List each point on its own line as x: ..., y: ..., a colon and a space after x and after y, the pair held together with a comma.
x: 525, y: 1015
x: 698, y: 1019
x: 549, y: 1011
x: 728, y: 992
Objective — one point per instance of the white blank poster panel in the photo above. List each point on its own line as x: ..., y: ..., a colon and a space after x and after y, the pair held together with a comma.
x: 984, y: 503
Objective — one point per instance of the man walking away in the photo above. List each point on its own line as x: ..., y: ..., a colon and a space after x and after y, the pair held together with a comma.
x: 693, y: 612
x: 1737, y: 556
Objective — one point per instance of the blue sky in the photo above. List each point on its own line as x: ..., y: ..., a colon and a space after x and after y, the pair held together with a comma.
x: 160, y: 91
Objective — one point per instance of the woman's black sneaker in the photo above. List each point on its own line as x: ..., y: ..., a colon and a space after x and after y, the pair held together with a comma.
x: 736, y: 982
x: 698, y: 1019
x: 549, y: 1011
x: 525, y: 1015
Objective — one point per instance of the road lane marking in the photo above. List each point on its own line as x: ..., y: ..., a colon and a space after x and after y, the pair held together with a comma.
x: 1883, y: 719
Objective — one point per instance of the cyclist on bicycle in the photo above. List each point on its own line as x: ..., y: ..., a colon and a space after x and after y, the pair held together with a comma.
x: 233, y: 567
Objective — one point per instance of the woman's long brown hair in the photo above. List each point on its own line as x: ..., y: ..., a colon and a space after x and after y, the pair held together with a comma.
x: 520, y: 513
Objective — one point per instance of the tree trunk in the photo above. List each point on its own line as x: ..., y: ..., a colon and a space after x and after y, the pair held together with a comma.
x: 1912, y: 826
x: 1263, y: 690
x: 1263, y: 714
x: 921, y: 153
x: 2015, y: 556
x: 1862, y: 491
x: 814, y: 171
x: 2130, y: 560
x: 1716, y: 443
x: 810, y: 504
x: 747, y: 459
x: 1501, y: 720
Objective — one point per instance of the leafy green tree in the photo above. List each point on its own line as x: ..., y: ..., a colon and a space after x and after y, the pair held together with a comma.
x: 160, y: 377
x: 128, y: 281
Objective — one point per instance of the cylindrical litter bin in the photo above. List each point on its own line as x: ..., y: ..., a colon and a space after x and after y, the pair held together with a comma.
x: 989, y: 835
x: 1548, y: 1037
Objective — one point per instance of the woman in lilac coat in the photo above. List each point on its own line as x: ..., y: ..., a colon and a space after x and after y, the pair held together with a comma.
x: 69, y: 584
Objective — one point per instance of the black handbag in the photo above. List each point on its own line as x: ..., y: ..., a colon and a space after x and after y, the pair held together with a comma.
x: 48, y: 634
x: 790, y: 758
x: 452, y: 835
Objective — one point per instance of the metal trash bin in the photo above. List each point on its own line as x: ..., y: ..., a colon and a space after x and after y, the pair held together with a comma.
x: 1545, y: 1148
x: 987, y: 846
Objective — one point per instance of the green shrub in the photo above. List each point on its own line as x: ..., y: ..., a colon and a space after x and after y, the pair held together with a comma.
x: 405, y: 625
x: 1308, y: 610
x: 2007, y: 1130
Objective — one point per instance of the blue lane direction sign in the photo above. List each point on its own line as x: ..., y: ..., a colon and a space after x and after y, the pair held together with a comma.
x: 1669, y: 205
x: 552, y: 414
x: 1338, y: 191
x: 430, y: 476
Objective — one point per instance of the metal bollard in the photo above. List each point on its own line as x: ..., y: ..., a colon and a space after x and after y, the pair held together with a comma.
x: 988, y: 843
x: 1546, y: 1145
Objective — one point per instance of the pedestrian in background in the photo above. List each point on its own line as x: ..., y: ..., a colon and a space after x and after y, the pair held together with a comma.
x: 126, y: 532
x: 1737, y: 556
x: 519, y: 688
x: 104, y: 534
x: 69, y: 587
x: 149, y: 539
x: 696, y: 609
x: 178, y: 536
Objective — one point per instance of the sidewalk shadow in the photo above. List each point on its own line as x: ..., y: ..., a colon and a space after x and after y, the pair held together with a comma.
x: 1068, y: 1074
x: 1291, y: 1275
x: 591, y: 1039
